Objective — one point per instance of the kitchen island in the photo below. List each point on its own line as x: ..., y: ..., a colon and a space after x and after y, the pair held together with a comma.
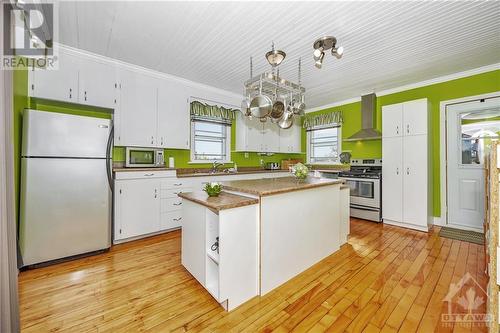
x: 299, y: 224
x: 258, y: 234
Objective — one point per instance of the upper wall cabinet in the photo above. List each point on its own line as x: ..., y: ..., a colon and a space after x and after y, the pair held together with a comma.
x: 60, y: 84
x: 173, y: 115
x: 97, y: 84
x: 404, y: 119
x: 77, y: 80
x: 290, y: 139
x: 254, y: 136
x: 136, y: 119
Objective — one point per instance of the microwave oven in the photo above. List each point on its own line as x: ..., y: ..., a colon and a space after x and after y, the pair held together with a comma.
x: 144, y: 157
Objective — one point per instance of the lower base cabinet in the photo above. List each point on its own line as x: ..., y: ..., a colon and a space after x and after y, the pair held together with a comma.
x: 220, y: 249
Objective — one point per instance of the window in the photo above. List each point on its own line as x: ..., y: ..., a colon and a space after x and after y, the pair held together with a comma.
x: 210, y: 141
x: 323, y: 144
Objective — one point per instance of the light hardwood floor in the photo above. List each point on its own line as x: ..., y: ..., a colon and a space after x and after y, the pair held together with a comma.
x: 387, y: 279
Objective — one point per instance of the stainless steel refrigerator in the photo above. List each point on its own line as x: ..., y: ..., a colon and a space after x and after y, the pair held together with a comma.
x: 65, y: 204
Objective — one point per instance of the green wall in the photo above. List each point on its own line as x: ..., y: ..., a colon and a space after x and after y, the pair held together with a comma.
x: 468, y: 86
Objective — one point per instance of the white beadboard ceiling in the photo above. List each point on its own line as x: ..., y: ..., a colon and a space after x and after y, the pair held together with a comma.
x: 387, y: 44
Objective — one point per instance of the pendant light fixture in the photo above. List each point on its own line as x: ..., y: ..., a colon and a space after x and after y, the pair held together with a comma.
x: 323, y: 44
x: 275, y: 57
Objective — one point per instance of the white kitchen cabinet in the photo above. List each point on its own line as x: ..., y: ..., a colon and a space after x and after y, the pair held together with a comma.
x: 392, y: 120
x: 271, y: 137
x: 254, y: 136
x: 406, y: 176
x: 290, y: 139
x: 59, y: 84
x: 137, y: 207
x: 392, y: 178
x: 136, y: 120
x: 173, y: 115
x: 415, y: 175
x: 414, y: 118
x: 98, y: 84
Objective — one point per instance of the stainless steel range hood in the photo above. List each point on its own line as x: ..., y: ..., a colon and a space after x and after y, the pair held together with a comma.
x: 368, y: 131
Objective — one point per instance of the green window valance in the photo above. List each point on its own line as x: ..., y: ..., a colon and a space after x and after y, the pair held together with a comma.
x: 202, y: 111
x: 326, y: 119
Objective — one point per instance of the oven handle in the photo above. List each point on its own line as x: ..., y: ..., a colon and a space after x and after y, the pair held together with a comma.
x: 371, y: 209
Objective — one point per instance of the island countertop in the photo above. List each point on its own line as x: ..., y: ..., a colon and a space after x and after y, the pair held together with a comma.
x: 270, y: 186
x: 221, y: 202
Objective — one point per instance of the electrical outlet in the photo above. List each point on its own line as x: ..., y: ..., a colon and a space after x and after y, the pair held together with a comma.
x: 246, y: 155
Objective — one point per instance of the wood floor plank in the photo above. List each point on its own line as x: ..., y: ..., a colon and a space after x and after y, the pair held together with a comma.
x: 384, y: 280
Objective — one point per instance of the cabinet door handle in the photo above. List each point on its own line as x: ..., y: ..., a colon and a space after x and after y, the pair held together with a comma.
x: 70, y: 91
x: 397, y: 171
x: 178, y: 219
x: 177, y: 203
x: 407, y: 171
x: 162, y: 141
x: 152, y: 140
x: 85, y: 95
x: 408, y: 128
x: 149, y: 175
x: 397, y: 129
x: 156, y: 193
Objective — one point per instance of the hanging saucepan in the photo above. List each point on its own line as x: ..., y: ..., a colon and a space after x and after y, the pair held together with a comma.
x: 299, y: 106
x: 278, y: 105
x: 245, y: 107
x: 286, y: 121
x: 261, y: 105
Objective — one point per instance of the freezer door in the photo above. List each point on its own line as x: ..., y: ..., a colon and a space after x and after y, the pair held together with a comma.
x: 65, y: 208
x: 63, y: 135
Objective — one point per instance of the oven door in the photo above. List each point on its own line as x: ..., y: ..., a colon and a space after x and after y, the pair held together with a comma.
x: 364, y: 191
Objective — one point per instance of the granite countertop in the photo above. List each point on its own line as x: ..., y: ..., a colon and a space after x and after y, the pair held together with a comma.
x: 270, y: 186
x: 223, y: 201
x: 208, y: 174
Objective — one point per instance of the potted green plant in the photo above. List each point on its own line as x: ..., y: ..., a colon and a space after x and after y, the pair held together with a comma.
x: 213, y: 189
x: 300, y: 171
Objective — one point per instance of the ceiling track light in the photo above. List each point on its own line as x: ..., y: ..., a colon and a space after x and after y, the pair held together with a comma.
x: 323, y: 44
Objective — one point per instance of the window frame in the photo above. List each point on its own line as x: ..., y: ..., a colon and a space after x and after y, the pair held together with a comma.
x: 308, y: 143
x: 228, y: 129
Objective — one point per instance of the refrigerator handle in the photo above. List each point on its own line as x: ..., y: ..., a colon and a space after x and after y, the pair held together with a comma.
x: 109, y: 147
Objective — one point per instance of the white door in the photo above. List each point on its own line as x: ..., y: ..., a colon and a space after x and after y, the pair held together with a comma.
x: 415, y: 117
x: 137, y: 207
x: 173, y: 115
x: 415, y: 184
x: 392, y: 179
x: 138, y: 110
x: 59, y: 84
x: 392, y: 120
x: 98, y: 84
x: 470, y: 127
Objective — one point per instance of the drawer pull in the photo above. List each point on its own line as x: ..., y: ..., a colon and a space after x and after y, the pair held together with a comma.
x: 149, y: 174
x: 178, y: 184
x: 177, y: 204
x: 177, y: 219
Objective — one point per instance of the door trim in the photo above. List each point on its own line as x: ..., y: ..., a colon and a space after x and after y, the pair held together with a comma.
x: 443, y: 176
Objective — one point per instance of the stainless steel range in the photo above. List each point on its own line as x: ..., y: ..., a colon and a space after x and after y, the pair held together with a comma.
x: 365, y: 183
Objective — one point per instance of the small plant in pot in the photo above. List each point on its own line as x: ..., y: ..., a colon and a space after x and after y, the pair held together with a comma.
x: 213, y: 189
x: 300, y: 171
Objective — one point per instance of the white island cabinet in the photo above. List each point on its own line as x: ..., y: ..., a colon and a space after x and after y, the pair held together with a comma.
x: 220, y: 245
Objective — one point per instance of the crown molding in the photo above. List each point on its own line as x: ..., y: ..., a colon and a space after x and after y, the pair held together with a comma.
x: 147, y: 71
x: 441, y: 79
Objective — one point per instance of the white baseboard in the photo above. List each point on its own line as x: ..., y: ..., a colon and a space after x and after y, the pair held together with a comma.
x: 438, y: 220
x: 407, y: 225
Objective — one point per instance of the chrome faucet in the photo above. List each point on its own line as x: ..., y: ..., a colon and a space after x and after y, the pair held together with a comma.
x: 215, y: 166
